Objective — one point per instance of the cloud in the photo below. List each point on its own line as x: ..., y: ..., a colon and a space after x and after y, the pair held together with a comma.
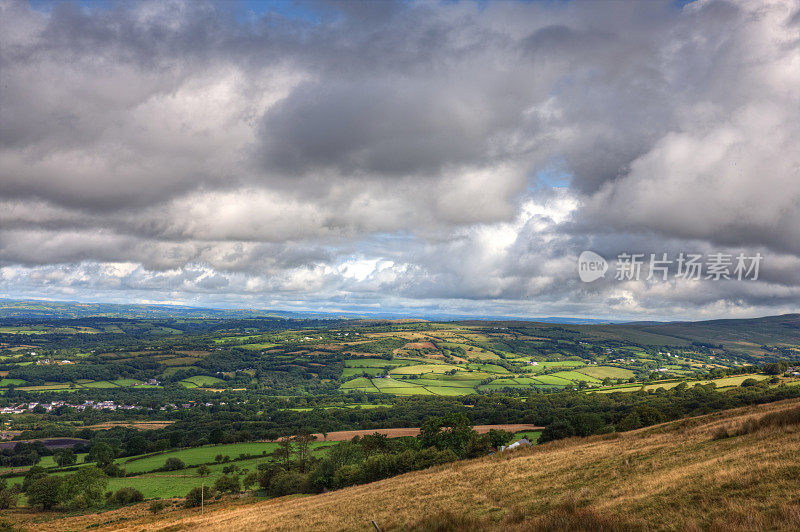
x: 400, y: 156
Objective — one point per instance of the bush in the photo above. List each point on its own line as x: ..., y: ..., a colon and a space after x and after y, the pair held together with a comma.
x: 127, y: 496
x: 721, y: 434
x: 8, y: 499
x: 157, y: 506
x: 173, y: 464
x: 196, y: 496
x: 114, y: 470
x: 288, y: 483
x: 228, y: 483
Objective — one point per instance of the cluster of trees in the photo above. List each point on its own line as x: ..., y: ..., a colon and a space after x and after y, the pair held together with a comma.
x: 85, y: 488
x: 23, y: 454
x: 587, y: 414
x: 293, y: 468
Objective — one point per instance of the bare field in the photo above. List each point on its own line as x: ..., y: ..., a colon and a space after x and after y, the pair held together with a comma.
x: 138, y: 425
x: 345, y: 435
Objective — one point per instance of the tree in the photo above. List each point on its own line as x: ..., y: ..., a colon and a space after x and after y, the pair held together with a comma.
x: 251, y: 479
x: 84, y: 488
x: 229, y: 483
x: 499, y: 437
x: 34, y: 473
x: 451, y: 431
x: 556, y: 431
x: 127, y: 495
x: 114, y: 470
x: 372, y: 443
x: 8, y: 499
x: 303, y: 442
x: 283, y: 454
x: 65, y: 457
x: 203, y: 471
x: 137, y: 445
x: 629, y: 422
x: 196, y: 496
x: 287, y: 483
x: 102, y: 453
x: 44, y: 492
x: 216, y: 435
x: 173, y: 464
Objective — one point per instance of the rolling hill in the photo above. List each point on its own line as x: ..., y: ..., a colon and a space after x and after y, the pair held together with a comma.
x: 684, y: 475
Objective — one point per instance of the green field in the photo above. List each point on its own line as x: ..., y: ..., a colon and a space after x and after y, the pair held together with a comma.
x: 422, y: 369
x: 257, y: 346
x: 201, y: 380
x: 99, y: 384
x: 198, y: 455
x: 361, y: 383
x: 575, y: 376
x: 721, y: 383
x: 126, y: 382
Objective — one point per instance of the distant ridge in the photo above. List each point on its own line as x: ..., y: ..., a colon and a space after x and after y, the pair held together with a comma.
x: 45, y: 309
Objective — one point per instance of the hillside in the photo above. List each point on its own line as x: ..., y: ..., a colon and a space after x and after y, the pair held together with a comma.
x: 678, y: 476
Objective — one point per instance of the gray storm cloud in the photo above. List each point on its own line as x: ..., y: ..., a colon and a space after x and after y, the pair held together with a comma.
x: 399, y: 155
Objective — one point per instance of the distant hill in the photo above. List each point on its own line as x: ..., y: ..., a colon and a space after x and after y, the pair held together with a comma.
x: 746, y: 335
x: 677, y: 476
x: 48, y: 310
x: 41, y: 309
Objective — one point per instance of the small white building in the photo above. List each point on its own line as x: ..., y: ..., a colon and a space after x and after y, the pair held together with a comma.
x: 516, y: 445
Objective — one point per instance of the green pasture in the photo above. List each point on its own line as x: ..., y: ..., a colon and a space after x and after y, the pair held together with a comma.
x: 575, y: 376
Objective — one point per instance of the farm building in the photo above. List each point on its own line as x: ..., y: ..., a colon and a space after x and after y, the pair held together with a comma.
x: 516, y: 445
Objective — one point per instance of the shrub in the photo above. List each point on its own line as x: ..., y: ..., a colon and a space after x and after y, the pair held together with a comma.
x: 287, y: 483
x: 196, y: 496
x: 173, y: 464
x: 8, y: 499
x: 157, y: 506
x: 721, y: 433
x: 127, y: 496
x: 114, y: 470
x: 229, y: 483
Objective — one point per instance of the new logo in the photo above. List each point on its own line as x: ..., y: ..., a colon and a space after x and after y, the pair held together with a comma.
x: 591, y: 266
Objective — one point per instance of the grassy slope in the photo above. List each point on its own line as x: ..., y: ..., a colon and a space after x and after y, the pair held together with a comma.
x: 673, y: 477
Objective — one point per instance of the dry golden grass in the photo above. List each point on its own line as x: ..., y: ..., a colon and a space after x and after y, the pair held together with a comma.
x: 674, y: 476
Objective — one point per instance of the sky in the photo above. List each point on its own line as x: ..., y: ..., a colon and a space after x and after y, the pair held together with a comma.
x: 421, y: 158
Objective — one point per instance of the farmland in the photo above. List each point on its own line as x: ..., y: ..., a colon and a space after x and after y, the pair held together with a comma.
x: 216, y: 397
x: 635, y: 480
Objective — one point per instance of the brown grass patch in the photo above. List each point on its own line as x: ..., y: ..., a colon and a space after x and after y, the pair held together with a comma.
x: 138, y: 425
